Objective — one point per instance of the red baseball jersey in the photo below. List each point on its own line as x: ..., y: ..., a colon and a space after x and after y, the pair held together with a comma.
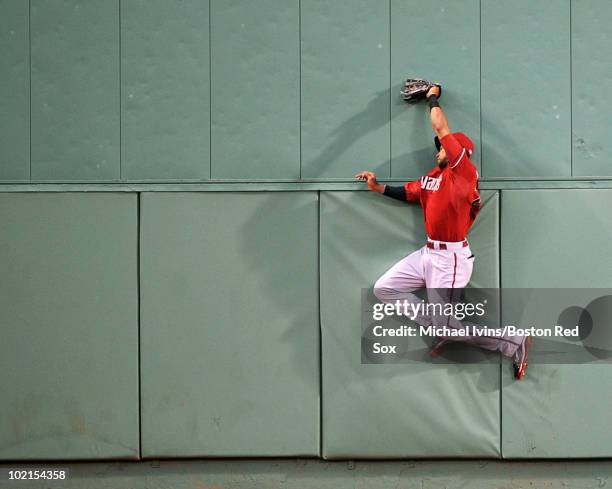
x: 449, y: 196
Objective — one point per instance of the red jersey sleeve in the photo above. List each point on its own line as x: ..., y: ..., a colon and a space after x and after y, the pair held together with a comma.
x: 454, y: 151
x: 413, y: 191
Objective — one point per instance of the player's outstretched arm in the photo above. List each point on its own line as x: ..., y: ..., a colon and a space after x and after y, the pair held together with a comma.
x: 398, y: 193
x: 370, y: 178
x: 438, y: 120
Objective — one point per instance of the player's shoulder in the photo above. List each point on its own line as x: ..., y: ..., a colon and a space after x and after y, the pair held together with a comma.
x: 435, y: 171
x: 471, y: 167
x: 468, y: 164
x: 467, y: 170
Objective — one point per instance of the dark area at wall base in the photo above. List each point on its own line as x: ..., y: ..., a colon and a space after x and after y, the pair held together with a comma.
x: 307, y: 474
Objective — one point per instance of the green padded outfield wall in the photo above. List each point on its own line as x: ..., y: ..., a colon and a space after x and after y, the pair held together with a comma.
x: 393, y: 411
x: 165, y: 92
x: 526, y: 98
x: 255, y: 89
x: 298, y: 90
x: 453, y: 58
x: 345, y: 87
x: 229, y: 333
x: 592, y: 76
x: 75, y: 90
x: 14, y: 90
x: 305, y: 92
x: 557, y: 238
x: 69, y: 316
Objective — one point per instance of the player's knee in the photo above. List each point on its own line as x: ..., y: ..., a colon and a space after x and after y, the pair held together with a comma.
x: 381, y: 290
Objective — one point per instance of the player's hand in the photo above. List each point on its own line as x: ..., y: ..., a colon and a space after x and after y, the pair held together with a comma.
x: 433, y: 91
x: 370, y: 178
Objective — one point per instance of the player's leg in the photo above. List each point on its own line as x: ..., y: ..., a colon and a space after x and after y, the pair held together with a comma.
x: 520, y: 357
x: 447, y: 273
x: 448, y: 269
x: 443, y: 275
x: 401, y: 280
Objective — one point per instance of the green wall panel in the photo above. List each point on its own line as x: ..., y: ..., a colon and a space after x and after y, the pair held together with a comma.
x: 526, y: 88
x: 557, y: 238
x: 345, y: 88
x: 229, y: 331
x: 452, y: 58
x: 484, y: 242
x: 165, y: 90
x: 75, y: 90
x: 255, y: 67
x: 387, y: 411
x: 591, y: 88
x: 69, y: 316
x: 14, y: 90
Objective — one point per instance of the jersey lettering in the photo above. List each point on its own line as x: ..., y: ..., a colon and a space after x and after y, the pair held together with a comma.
x: 431, y: 183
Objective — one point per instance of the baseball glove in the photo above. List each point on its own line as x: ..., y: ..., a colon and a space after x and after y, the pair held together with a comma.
x: 415, y: 89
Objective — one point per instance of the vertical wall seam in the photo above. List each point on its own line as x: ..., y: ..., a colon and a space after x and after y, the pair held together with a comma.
x: 501, y: 423
x: 571, y: 74
x: 390, y: 101
x: 30, y: 82
x: 300, y: 81
x: 120, y: 103
x: 210, y: 140
x: 482, y: 165
x: 320, y: 324
x: 501, y: 362
x: 139, y: 311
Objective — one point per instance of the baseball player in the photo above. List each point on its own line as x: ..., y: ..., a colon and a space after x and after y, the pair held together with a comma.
x: 450, y: 200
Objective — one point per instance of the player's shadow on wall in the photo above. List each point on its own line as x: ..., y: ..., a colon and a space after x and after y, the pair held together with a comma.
x: 282, y: 273
x: 394, y: 388
x: 375, y: 115
x: 386, y: 106
x: 299, y: 322
x: 401, y: 242
x: 411, y: 165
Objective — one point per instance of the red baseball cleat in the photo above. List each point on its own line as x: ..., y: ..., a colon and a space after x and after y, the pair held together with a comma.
x: 437, y: 347
x: 520, y: 358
